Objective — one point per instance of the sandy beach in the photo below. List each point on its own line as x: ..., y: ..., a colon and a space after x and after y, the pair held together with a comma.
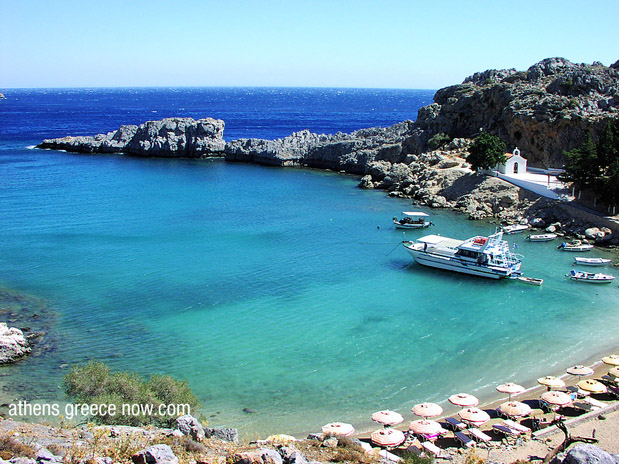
x: 602, y: 424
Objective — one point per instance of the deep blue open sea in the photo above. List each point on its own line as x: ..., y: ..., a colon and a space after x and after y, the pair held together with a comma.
x: 277, y: 290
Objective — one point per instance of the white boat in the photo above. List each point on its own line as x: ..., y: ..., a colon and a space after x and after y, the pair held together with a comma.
x: 530, y: 280
x: 540, y: 237
x: 597, y: 278
x: 481, y: 256
x: 412, y: 220
x: 592, y: 261
x: 516, y: 228
x: 575, y: 246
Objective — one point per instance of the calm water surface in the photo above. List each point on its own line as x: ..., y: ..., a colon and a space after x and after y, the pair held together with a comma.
x: 284, y: 291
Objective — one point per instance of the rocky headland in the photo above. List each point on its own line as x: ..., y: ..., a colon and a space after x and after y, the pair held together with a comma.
x: 548, y: 109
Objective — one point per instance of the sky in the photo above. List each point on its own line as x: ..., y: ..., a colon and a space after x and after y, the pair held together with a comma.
x: 407, y: 44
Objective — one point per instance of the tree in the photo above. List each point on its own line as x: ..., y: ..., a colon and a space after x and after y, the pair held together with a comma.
x: 594, y: 166
x: 486, y: 152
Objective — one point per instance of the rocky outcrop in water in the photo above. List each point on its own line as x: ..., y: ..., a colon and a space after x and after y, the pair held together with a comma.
x: 342, y: 152
x: 170, y: 137
x: 13, y: 344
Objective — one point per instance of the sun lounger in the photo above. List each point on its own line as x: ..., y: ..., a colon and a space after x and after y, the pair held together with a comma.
x: 596, y: 404
x: 455, y: 424
x: 435, y: 450
x: 505, y: 430
x: 479, y: 436
x: 464, y: 440
x: 516, y: 426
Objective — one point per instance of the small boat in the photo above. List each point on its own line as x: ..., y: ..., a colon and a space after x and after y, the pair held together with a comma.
x: 480, y: 256
x: 590, y: 277
x: 515, y: 228
x: 577, y: 246
x: 530, y: 280
x: 592, y: 261
x: 412, y: 220
x: 540, y: 237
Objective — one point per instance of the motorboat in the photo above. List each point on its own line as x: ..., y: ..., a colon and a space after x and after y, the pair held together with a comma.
x: 515, y: 228
x: 540, y: 237
x: 530, y: 280
x: 481, y: 256
x: 592, y: 261
x: 594, y: 278
x: 412, y: 220
x: 575, y: 246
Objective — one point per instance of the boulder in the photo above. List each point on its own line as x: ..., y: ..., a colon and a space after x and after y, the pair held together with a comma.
x: 13, y: 344
x: 260, y: 456
x: 224, y: 434
x: 297, y: 458
x: 589, y: 454
x: 366, y: 182
x: 44, y: 456
x: 594, y: 233
x: 157, y: 454
x: 190, y: 426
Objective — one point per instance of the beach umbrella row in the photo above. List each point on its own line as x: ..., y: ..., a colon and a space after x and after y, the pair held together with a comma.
x: 470, y: 413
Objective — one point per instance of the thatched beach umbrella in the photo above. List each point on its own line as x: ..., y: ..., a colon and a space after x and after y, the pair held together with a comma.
x: 427, y: 410
x: 551, y: 381
x: 464, y: 399
x: 338, y: 428
x: 425, y: 427
x: 515, y: 409
x: 387, y: 437
x: 611, y: 360
x: 474, y: 416
x: 387, y: 417
x: 592, y: 386
x: 580, y: 371
x: 614, y: 371
x: 510, y: 388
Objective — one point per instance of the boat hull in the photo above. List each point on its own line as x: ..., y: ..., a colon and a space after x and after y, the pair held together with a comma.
x: 592, y: 281
x: 448, y: 263
x: 541, y: 238
x: 591, y: 262
x: 410, y: 226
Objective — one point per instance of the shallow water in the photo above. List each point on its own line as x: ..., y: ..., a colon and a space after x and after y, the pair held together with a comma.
x: 284, y: 291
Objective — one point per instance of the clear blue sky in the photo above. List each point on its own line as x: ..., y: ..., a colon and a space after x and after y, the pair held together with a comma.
x: 328, y: 43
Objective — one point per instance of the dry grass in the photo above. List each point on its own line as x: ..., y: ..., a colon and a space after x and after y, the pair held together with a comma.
x: 11, y: 448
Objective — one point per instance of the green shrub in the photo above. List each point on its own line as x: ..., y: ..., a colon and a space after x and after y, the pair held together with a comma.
x: 94, y: 384
x: 438, y: 140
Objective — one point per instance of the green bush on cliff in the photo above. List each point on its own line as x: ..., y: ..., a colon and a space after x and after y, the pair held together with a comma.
x: 595, y: 166
x: 438, y: 140
x: 486, y: 152
x: 156, y: 401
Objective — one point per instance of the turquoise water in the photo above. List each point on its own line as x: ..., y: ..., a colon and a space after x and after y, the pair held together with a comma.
x: 283, y: 291
x: 279, y: 290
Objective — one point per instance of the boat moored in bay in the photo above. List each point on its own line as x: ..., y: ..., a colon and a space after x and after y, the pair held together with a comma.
x: 540, y: 237
x: 590, y: 277
x: 481, y: 256
x: 412, y: 220
x: 592, y: 261
x: 577, y: 246
x: 516, y: 228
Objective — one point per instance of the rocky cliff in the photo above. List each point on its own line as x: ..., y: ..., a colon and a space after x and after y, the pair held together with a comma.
x: 544, y: 111
x: 170, y: 137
